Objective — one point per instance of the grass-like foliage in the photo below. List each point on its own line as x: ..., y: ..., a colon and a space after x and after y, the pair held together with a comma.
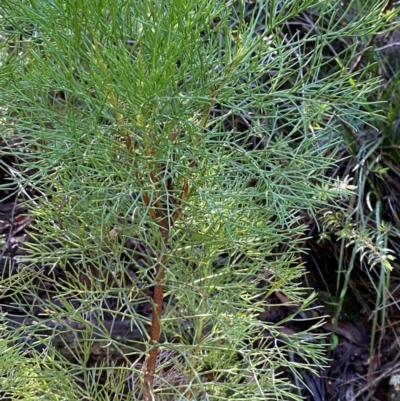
x: 167, y: 150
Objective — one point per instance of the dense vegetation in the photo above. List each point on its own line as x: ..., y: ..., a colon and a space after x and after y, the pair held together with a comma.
x: 170, y: 172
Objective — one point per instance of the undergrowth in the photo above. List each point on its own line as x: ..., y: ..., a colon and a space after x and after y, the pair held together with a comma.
x: 166, y: 152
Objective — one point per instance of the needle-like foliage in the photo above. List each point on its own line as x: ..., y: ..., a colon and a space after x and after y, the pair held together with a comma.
x: 168, y: 149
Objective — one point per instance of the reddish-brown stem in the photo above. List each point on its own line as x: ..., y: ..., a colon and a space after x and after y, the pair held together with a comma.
x: 165, y: 221
x: 128, y: 142
x: 152, y: 211
x: 155, y: 331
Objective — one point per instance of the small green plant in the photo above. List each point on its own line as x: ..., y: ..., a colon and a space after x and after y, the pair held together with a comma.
x: 158, y: 210
x: 367, y: 233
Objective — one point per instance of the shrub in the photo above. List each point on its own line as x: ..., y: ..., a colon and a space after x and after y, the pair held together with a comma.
x: 166, y: 151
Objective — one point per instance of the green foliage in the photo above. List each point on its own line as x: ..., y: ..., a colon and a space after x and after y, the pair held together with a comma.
x: 366, y: 226
x: 128, y: 111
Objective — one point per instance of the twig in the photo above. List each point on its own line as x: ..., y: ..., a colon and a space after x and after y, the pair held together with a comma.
x: 373, y: 383
x: 387, y: 46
